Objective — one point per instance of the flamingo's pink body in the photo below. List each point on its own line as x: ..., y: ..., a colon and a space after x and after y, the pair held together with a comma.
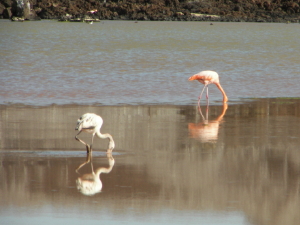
x: 209, y: 77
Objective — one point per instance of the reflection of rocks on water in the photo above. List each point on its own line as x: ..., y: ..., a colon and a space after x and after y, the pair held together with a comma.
x: 70, y: 18
x: 19, y: 19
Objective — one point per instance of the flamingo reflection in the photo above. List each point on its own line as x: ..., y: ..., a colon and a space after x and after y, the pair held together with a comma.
x: 207, y: 131
x: 90, y: 184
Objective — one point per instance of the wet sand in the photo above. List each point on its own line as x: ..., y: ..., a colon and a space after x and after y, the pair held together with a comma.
x: 235, y: 165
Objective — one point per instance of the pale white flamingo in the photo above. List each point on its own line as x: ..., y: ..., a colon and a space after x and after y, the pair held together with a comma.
x: 92, y: 123
x: 209, y: 77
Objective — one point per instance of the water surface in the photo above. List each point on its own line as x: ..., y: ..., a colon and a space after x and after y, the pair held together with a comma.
x: 122, y: 62
x: 233, y: 164
x: 241, y: 166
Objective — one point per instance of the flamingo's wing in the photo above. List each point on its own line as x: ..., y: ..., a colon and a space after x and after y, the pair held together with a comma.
x: 204, y: 79
x: 88, y: 121
x: 208, y: 76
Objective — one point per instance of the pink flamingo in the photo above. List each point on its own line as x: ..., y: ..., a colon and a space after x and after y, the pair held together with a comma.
x: 209, y: 77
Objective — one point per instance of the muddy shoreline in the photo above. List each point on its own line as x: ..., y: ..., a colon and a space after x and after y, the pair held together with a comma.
x: 168, y: 10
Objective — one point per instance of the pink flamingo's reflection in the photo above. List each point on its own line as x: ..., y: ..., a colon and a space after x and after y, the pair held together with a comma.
x: 90, y: 183
x: 207, y: 131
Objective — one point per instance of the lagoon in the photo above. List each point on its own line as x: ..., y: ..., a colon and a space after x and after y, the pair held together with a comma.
x: 237, y: 163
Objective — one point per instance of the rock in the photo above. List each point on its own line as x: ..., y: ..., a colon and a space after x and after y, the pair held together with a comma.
x: 2, y: 9
x: 18, y: 19
x: 21, y: 9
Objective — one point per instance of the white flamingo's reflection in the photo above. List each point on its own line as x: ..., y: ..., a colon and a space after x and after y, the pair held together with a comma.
x: 207, y: 131
x: 90, y: 183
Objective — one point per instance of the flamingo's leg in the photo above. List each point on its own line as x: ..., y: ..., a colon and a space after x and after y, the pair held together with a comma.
x: 81, y: 141
x: 207, y: 93
x: 199, y: 99
x: 88, y: 148
x: 207, y: 99
x: 202, y: 91
x: 92, y: 140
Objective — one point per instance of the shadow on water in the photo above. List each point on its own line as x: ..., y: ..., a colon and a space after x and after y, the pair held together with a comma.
x: 248, y: 163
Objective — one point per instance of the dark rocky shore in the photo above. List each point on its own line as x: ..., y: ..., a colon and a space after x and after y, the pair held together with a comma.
x: 159, y: 10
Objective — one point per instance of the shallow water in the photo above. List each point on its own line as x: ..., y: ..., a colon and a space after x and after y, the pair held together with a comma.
x: 122, y: 62
x: 235, y: 165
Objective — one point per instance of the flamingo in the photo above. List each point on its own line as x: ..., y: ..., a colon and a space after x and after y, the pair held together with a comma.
x: 91, y: 123
x: 209, y: 77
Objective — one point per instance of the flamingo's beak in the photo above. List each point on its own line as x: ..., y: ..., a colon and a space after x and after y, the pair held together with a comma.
x: 191, y: 78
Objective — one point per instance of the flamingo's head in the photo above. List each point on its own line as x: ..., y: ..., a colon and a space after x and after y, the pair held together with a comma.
x: 197, y: 77
x: 194, y: 77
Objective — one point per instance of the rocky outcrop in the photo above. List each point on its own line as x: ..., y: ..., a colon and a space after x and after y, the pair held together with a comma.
x: 176, y: 10
x: 17, y: 10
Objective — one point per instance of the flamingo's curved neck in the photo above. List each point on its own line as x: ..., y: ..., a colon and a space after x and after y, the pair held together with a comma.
x: 111, y: 144
x: 225, y: 99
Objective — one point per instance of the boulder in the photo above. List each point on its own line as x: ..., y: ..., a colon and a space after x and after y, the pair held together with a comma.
x: 22, y: 9
x: 7, y: 13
